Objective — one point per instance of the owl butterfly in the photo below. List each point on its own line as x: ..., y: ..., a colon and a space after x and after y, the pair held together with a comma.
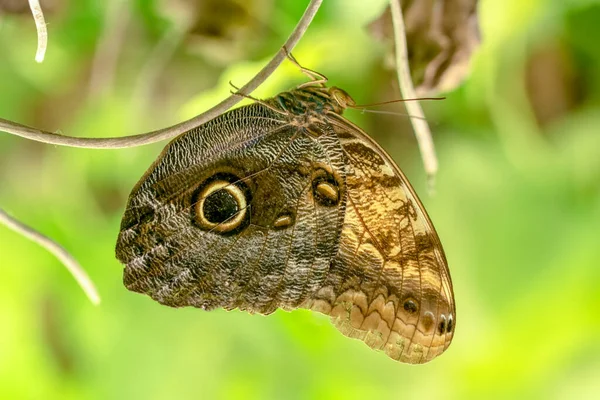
x: 284, y: 203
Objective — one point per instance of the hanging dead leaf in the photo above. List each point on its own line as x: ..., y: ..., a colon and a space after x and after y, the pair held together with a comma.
x: 441, y: 37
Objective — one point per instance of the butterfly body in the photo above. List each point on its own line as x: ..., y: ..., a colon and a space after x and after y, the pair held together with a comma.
x: 284, y: 204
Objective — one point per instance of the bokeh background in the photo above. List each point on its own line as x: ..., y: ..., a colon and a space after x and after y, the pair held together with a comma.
x: 517, y: 204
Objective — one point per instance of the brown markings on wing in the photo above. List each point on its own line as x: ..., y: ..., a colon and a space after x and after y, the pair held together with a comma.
x: 389, y: 284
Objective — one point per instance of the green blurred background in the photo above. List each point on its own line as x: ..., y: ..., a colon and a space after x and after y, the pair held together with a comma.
x: 517, y: 204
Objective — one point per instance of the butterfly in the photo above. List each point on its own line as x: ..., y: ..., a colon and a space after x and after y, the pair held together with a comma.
x: 284, y: 203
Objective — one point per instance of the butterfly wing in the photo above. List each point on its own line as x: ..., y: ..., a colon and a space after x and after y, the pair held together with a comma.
x: 389, y: 284
x: 243, y: 212
x: 259, y: 209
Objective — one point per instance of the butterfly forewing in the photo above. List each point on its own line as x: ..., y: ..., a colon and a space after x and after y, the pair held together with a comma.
x: 278, y: 253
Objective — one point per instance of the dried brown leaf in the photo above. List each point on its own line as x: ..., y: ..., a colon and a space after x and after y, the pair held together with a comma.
x: 441, y: 37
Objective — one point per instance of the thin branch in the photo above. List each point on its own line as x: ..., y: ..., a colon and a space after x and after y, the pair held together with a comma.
x: 63, y: 256
x: 169, y: 133
x: 158, y: 59
x: 419, y: 123
x: 42, y: 32
x: 109, y: 47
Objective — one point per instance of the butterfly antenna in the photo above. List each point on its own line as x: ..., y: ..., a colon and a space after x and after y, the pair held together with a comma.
x: 363, y: 107
x: 395, y: 101
x: 399, y: 114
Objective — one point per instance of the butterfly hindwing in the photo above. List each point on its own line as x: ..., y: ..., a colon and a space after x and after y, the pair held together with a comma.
x: 389, y: 284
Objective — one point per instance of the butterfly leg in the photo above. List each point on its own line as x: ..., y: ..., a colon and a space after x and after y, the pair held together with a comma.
x: 317, y: 79
x: 236, y: 92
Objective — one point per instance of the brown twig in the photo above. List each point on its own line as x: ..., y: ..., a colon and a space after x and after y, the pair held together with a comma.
x: 419, y: 123
x: 57, y: 250
x: 157, y: 60
x: 168, y: 133
x: 109, y: 47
